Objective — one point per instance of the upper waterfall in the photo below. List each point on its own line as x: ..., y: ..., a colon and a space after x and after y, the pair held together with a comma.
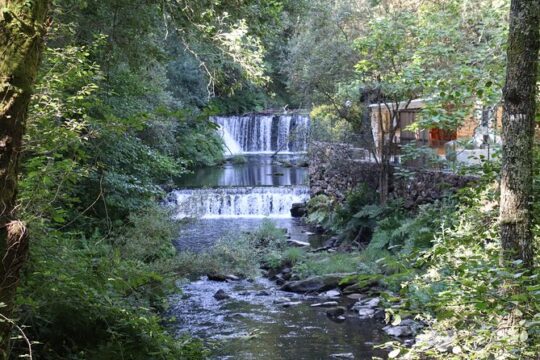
x: 264, y: 133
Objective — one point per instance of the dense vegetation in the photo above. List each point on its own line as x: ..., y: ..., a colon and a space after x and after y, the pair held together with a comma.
x: 121, y: 110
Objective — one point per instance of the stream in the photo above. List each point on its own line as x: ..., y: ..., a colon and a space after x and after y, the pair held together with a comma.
x: 253, y: 322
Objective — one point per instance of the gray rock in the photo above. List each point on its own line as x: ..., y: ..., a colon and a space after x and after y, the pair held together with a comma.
x: 331, y: 294
x: 298, y: 210
x: 315, y: 284
x: 355, y: 296
x: 336, y: 312
x: 282, y: 300
x: 359, y: 288
x: 298, y: 243
x: 398, y: 331
x: 367, y: 303
x: 291, y: 303
x: 232, y: 277
x: 216, y: 277
x: 279, y: 279
x: 221, y: 295
x: 366, y: 313
x: 342, y: 356
x: 263, y: 293
x: 325, y: 304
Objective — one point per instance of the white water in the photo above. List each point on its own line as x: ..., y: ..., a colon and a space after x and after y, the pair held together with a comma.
x: 240, y: 202
x: 264, y: 133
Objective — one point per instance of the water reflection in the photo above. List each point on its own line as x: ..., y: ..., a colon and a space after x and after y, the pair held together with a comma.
x: 258, y: 170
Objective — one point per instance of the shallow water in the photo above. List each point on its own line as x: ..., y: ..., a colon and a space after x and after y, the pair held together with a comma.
x: 250, y: 325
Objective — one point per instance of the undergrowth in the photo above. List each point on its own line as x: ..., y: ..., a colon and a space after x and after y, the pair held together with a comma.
x: 100, y: 297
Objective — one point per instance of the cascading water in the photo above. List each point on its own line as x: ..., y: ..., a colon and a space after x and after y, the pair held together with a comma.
x: 264, y: 133
x: 238, y: 194
x: 240, y: 202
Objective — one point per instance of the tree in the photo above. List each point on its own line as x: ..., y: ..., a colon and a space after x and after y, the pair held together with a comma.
x: 390, y: 73
x: 518, y: 131
x: 22, y: 28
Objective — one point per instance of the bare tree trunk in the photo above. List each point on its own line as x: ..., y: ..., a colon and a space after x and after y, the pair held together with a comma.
x: 518, y: 131
x: 21, y: 36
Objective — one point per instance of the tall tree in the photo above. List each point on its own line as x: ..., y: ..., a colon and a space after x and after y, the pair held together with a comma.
x: 518, y: 131
x: 22, y: 28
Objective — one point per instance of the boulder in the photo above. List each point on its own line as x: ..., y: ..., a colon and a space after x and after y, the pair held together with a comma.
x: 342, y: 356
x: 314, y: 284
x: 282, y: 300
x: 221, y: 295
x: 291, y: 303
x: 298, y: 243
x: 216, y: 277
x: 367, y: 303
x: 222, y: 277
x: 360, y: 287
x: 336, y: 312
x: 366, y: 313
x: 298, y: 210
x: 279, y: 279
x: 398, y: 331
x: 325, y: 304
x: 331, y: 294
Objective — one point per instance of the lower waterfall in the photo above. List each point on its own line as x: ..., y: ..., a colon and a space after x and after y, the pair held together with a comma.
x: 237, y: 202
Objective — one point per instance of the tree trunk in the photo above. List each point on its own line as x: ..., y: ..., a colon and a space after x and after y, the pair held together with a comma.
x: 21, y: 36
x: 518, y: 132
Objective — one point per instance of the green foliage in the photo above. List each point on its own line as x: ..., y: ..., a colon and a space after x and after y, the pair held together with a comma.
x: 327, y: 126
x: 401, y: 233
x: 241, y: 255
x: 474, y: 307
x: 103, y: 295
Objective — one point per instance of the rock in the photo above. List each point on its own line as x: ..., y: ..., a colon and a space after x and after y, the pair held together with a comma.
x: 314, y: 284
x: 342, y: 356
x: 366, y: 313
x: 367, y: 303
x: 263, y: 293
x: 298, y: 210
x: 360, y: 288
x: 232, y: 277
x: 282, y: 300
x: 331, y: 294
x: 216, y: 277
x: 355, y: 296
x: 221, y: 295
x: 279, y: 280
x: 335, y: 312
x: 325, y: 304
x: 398, y: 331
x: 291, y: 303
x: 298, y: 243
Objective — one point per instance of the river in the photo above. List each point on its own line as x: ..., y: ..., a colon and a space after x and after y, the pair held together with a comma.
x: 236, y: 197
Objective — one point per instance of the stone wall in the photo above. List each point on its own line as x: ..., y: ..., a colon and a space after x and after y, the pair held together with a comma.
x: 335, y: 169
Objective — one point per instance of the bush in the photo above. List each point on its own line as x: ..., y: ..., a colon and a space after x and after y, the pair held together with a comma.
x: 103, y: 296
x: 240, y: 255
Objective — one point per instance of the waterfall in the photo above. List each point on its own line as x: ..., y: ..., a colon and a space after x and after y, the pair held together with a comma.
x: 264, y: 133
x: 237, y: 202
